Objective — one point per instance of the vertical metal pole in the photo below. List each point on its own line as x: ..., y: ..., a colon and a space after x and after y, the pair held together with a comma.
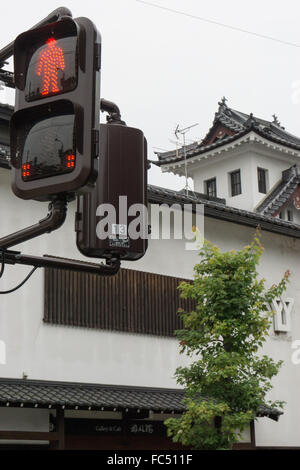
x: 185, y: 168
x: 252, y: 434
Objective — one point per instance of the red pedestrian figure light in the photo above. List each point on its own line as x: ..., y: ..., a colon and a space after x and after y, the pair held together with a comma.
x: 50, y: 61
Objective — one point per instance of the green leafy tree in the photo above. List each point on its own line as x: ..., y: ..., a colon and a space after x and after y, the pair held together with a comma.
x: 227, y: 381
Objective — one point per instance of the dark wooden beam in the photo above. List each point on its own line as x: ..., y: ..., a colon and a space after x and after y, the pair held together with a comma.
x: 252, y: 434
x: 29, y: 435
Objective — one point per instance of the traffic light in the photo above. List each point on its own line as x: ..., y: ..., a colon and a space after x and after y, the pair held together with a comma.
x: 55, y: 127
x: 112, y: 219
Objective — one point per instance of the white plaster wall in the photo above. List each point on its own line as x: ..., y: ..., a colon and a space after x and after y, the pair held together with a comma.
x: 49, y: 352
x: 220, y: 168
x: 281, y: 253
x: 275, y: 168
x: 77, y: 354
x: 248, y: 158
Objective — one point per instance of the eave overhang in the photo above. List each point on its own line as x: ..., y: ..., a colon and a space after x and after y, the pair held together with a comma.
x: 232, y: 143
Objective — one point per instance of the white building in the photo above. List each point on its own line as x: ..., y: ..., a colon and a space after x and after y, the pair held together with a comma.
x: 96, y: 355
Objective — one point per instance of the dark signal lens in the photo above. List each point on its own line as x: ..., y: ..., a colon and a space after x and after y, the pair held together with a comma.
x: 48, y: 148
x: 52, y: 68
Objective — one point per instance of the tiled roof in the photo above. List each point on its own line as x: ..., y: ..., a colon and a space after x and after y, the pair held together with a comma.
x: 270, y: 129
x: 195, y: 149
x: 280, y: 195
x: 239, y: 123
x: 214, y: 207
x: 14, y: 392
x: 6, y: 111
x: 218, y: 210
x: 70, y: 395
x: 272, y: 413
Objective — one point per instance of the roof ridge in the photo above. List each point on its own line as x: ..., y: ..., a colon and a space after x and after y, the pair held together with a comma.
x: 54, y: 383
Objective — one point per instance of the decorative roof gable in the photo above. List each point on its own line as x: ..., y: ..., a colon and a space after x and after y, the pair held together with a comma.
x: 229, y: 125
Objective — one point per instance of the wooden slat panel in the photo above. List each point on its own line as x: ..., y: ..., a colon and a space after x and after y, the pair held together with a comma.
x: 133, y: 301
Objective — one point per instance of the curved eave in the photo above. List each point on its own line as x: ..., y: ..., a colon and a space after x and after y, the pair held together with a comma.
x: 214, y: 150
x: 200, y: 150
x: 20, y: 393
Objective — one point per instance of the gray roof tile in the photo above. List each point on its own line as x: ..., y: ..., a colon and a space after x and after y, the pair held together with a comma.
x: 280, y: 195
x: 43, y: 394
x: 218, y: 210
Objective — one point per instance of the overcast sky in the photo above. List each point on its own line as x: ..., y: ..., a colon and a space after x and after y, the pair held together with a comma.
x: 164, y: 68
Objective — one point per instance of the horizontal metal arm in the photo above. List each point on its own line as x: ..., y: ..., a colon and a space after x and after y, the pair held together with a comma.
x: 111, y: 267
x: 54, y: 220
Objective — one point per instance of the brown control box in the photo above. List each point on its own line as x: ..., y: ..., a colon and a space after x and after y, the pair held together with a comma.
x: 112, y: 219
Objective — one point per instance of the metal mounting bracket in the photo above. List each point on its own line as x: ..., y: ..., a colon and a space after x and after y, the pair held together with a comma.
x: 54, y: 219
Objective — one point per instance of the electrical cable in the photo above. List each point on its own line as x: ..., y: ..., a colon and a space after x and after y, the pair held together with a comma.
x: 223, y: 25
x: 21, y: 284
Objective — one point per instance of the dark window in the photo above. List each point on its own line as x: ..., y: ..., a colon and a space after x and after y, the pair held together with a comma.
x: 211, y: 187
x: 290, y: 215
x: 236, y: 187
x: 262, y: 180
x: 280, y: 215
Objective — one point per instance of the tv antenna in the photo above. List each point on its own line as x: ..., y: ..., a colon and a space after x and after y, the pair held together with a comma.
x: 178, y: 145
x: 183, y: 132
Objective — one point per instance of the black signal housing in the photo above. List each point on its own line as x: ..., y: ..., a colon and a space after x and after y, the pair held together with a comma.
x: 55, y: 127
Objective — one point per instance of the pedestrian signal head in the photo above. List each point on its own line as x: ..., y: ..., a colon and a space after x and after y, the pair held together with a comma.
x: 55, y: 127
x: 47, y: 62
